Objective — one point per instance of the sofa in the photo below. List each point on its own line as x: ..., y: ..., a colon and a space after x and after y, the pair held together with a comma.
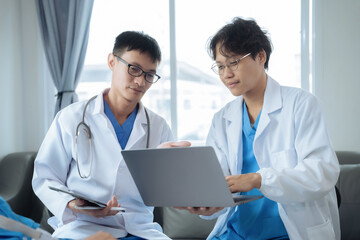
x: 16, y: 172
x: 15, y: 187
x: 349, y: 188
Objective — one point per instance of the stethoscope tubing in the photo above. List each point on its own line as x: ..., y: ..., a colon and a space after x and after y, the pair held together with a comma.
x: 88, y: 131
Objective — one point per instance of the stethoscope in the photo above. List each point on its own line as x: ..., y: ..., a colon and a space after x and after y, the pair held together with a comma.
x: 87, y: 130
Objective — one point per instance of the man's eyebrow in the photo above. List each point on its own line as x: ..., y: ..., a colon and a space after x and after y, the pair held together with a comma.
x: 139, y: 65
x: 230, y: 58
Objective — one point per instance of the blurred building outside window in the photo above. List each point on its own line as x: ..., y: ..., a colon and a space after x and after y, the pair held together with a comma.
x: 200, y: 93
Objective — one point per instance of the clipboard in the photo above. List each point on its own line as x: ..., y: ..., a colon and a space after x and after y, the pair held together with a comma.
x: 93, y: 205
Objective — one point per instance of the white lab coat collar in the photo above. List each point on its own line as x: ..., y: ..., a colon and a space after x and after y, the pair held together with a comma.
x: 272, y: 102
x: 233, y: 115
x: 137, y: 132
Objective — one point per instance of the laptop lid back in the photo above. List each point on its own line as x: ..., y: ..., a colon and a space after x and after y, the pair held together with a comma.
x: 189, y: 176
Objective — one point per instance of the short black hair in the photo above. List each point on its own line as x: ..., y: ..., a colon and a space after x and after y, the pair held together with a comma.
x: 241, y: 37
x: 132, y: 40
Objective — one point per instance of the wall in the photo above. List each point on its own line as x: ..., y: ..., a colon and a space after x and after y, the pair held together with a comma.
x: 21, y: 78
x: 337, y: 80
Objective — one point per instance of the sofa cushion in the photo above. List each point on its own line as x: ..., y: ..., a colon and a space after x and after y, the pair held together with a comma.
x: 16, y: 170
x: 349, y: 187
x: 180, y: 224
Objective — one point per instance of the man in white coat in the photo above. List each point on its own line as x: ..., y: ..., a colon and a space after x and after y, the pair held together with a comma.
x: 272, y: 141
x: 82, y: 150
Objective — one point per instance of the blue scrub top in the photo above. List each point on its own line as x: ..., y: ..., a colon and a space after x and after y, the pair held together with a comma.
x: 122, y: 131
x: 258, y: 219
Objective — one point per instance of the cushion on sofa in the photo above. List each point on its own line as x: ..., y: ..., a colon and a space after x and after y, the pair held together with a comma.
x: 180, y: 224
x: 349, y: 187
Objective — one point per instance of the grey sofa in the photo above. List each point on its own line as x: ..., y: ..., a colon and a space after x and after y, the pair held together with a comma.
x: 15, y: 187
x: 16, y: 171
x: 349, y: 187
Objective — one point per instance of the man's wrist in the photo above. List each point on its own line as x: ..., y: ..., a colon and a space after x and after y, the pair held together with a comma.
x: 257, y: 180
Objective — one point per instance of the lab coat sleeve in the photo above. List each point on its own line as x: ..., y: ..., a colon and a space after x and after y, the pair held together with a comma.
x: 50, y: 169
x: 316, y: 168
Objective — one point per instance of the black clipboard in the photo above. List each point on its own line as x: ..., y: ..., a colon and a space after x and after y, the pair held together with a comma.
x: 93, y: 205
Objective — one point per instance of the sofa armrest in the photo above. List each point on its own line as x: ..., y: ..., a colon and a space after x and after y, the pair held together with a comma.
x: 349, y: 210
x: 16, y: 171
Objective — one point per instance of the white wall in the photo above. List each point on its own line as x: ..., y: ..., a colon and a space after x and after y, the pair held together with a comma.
x: 24, y: 113
x: 337, y: 79
x: 21, y: 78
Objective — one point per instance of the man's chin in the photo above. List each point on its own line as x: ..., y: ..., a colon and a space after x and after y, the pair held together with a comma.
x: 235, y: 93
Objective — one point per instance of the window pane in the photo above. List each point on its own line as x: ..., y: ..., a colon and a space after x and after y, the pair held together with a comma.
x: 110, y: 18
x: 200, y: 91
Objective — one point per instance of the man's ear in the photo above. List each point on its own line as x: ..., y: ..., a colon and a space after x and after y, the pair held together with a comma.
x: 111, y: 61
x: 262, y: 56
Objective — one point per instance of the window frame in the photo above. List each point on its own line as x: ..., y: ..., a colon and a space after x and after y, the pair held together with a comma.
x: 308, y: 65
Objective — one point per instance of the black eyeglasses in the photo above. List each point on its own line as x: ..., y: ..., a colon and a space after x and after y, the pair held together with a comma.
x: 220, y: 69
x: 136, y: 71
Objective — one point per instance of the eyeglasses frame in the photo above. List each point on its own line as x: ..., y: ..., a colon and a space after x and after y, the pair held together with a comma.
x: 214, y: 66
x: 142, y: 71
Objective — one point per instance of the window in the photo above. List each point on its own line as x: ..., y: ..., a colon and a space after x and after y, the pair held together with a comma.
x: 199, y: 93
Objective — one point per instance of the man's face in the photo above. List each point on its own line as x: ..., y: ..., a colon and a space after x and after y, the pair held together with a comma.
x: 125, y: 85
x: 247, y: 75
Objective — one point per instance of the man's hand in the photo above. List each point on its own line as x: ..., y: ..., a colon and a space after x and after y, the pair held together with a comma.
x: 94, y: 212
x: 174, y: 144
x: 206, y: 211
x: 243, y: 182
x: 101, y: 236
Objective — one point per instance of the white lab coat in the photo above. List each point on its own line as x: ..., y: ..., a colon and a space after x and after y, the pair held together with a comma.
x: 298, y: 167
x: 55, y: 166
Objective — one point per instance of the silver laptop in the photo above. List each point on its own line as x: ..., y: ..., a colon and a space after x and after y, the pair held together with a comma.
x: 188, y: 176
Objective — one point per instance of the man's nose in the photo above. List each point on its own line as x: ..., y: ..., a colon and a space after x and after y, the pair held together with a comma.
x: 228, y: 72
x: 140, y: 80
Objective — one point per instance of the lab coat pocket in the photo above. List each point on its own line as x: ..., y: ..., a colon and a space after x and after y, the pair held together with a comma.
x: 284, y: 159
x: 323, y: 231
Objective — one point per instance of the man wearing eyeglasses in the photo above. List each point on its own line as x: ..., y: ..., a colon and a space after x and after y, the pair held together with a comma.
x: 271, y: 141
x: 82, y: 150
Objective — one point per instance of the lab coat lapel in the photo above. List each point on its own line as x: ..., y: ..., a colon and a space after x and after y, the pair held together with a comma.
x: 272, y: 102
x: 139, y: 130
x: 233, y: 116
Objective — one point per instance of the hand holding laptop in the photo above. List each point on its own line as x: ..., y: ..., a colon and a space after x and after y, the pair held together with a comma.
x: 205, y: 211
x: 174, y: 144
x: 236, y: 183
